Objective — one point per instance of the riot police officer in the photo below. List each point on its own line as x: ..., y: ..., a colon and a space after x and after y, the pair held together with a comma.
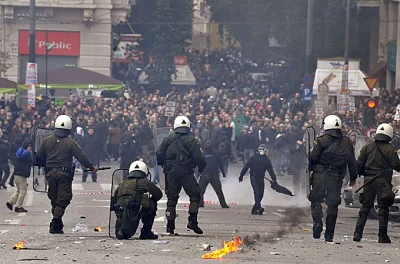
x: 132, y: 202
x: 179, y: 153
x: 56, y: 153
x: 331, y: 154
x: 258, y: 165
x: 379, y: 159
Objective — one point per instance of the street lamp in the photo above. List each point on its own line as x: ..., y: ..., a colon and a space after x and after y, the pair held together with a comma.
x: 49, y: 47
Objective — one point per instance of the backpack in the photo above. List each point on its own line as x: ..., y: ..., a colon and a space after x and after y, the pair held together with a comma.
x: 223, y: 147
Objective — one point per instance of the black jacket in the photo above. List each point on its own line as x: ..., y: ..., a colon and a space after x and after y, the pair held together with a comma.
x: 129, y: 150
x: 4, y: 152
x: 214, y: 162
x: 24, y: 163
x: 258, y: 166
x: 90, y: 145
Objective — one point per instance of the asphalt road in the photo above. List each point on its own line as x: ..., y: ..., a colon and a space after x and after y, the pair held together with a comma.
x: 90, y: 206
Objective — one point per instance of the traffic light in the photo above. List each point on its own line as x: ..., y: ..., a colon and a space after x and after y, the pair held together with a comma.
x: 370, y: 114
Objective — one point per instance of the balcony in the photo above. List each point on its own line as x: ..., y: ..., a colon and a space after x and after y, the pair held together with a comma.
x: 367, y: 3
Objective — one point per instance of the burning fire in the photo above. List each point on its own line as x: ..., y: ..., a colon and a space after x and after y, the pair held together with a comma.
x: 231, y: 246
x: 19, y: 245
x: 98, y: 229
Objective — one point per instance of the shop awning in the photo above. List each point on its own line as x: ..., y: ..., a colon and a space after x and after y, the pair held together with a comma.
x: 76, y: 78
x: 7, y: 86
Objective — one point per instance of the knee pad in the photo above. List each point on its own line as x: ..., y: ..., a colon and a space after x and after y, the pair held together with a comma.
x: 387, y: 198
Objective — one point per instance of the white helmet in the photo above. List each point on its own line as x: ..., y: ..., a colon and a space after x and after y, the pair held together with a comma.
x: 63, y: 122
x: 182, y: 124
x: 138, y: 169
x: 332, y: 122
x: 63, y: 126
x: 384, y: 132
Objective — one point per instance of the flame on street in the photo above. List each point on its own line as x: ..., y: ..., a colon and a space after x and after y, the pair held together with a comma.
x: 19, y: 245
x: 231, y: 246
x: 98, y: 229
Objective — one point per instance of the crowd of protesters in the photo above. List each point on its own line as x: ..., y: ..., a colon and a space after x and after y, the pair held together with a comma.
x: 227, y: 106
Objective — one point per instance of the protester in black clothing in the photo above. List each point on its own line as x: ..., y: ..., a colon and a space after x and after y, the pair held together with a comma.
x: 91, y: 147
x: 211, y: 175
x: 4, y: 167
x: 258, y: 165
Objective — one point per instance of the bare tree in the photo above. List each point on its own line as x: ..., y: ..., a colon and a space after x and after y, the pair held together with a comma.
x: 6, y: 57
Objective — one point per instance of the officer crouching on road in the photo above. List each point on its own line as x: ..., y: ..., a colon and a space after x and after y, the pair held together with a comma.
x: 329, y: 157
x: 179, y: 153
x: 377, y: 158
x: 56, y: 154
x: 211, y: 174
x: 258, y: 164
x: 131, y: 203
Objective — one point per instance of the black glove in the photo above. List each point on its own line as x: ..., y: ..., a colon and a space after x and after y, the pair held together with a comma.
x: 240, y: 178
x: 224, y: 175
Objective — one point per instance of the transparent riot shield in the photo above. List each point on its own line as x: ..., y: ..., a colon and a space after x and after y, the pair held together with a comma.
x: 361, y: 141
x: 117, y: 178
x: 309, y: 136
x: 39, y: 177
x: 159, y: 134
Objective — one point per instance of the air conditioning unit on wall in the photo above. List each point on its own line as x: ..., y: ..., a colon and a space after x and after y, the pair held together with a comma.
x: 9, y: 12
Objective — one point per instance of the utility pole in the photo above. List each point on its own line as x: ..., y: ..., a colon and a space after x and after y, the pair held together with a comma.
x: 310, y: 13
x: 343, y: 96
x: 32, y: 29
x: 347, y: 37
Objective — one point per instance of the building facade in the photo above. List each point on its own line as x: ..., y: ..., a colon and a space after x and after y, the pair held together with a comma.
x: 80, y: 31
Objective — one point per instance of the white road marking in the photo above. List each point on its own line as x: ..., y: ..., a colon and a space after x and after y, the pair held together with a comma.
x: 105, y: 186
x: 161, y: 201
x: 29, y: 200
x: 277, y: 214
x: 4, y: 231
x: 77, y: 187
x: 159, y: 208
x: 13, y: 221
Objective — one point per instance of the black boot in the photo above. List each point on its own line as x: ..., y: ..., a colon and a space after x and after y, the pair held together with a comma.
x: 317, y: 227
x: 193, y: 224
x: 330, y: 227
x: 171, y: 227
x: 383, y: 226
x: 260, y: 211
x: 56, y: 226
x: 146, y: 233
x: 362, y: 219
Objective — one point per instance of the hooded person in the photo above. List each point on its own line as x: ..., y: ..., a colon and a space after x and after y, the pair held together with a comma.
x: 331, y: 155
x: 258, y: 164
x: 376, y: 162
x: 136, y: 199
x: 211, y: 175
x: 22, y: 171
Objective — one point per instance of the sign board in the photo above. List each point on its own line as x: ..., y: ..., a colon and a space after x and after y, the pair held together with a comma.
x: 397, y: 115
x: 65, y: 43
x: 319, y: 110
x: 306, y: 93
x: 352, y: 104
x: 371, y: 82
x: 308, y: 80
x: 343, y: 103
x: 170, y: 109
x: 370, y: 132
x: 323, y: 94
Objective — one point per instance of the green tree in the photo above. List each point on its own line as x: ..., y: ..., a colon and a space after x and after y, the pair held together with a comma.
x: 165, y: 25
x: 253, y: 22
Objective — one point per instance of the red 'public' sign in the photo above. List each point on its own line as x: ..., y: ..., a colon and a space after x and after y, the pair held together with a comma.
x: 65, y: 43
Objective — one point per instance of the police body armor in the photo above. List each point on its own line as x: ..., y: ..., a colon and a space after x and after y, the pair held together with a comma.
x: 178, y: 160
x: 129, y: 204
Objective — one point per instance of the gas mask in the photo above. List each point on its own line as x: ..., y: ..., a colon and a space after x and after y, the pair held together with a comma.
x: 262, y: 151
